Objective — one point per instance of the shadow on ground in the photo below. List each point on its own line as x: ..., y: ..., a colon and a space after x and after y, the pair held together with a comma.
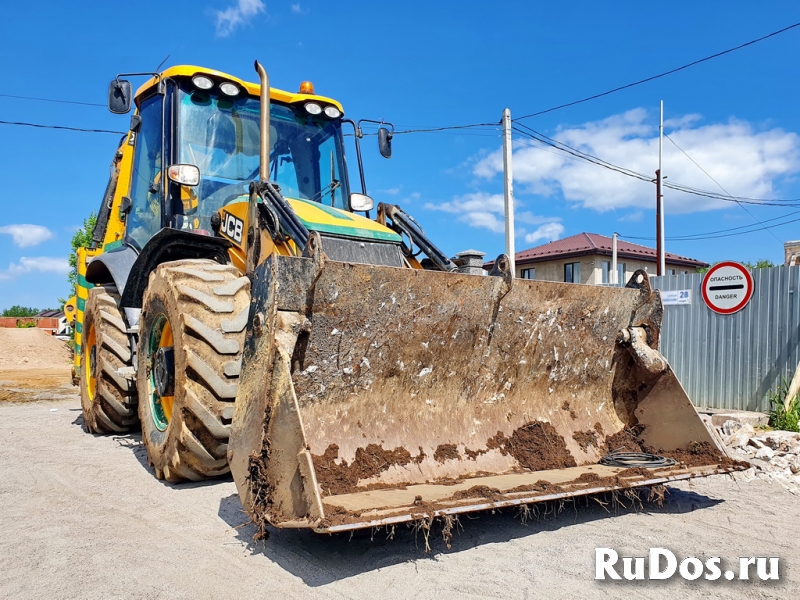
x: 133, y: 442
x: 322, y: 559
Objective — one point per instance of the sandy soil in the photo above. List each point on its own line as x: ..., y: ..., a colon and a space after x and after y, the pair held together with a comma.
x: 32, y: 349
x: 83, y: 517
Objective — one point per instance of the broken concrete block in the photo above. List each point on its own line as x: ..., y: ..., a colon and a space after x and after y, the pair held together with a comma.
x: 738, y: 440
x: 779, y: 462
x: 765, y: 453
x: 730, y: 427
x: 753, y: 419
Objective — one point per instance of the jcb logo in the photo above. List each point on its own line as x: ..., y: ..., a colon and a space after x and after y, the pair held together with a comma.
x: 232, y: 227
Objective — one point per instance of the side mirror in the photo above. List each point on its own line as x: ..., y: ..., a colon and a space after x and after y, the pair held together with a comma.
x: 385, y: 142
x: 120, y: 96
x: 361, y: 202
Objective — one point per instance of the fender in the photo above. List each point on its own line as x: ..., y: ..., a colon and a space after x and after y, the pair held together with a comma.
x: 113, y: 266
x: 168, y: 245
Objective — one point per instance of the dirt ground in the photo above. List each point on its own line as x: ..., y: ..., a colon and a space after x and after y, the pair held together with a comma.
x: 83, y: 517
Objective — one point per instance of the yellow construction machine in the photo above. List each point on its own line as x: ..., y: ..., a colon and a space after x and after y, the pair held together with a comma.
x: 242, y: 306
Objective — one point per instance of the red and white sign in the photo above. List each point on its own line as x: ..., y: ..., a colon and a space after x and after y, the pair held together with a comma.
x: 727, y: 287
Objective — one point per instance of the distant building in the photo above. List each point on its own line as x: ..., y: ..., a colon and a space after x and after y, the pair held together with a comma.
x: 792, y: 253
x: 586, y: 258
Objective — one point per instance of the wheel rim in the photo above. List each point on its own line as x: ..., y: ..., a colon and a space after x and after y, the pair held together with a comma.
x: 90, y: 362
x: 159, y: 344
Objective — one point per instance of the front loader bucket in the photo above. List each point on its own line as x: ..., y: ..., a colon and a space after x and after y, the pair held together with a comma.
x: 375, y: 395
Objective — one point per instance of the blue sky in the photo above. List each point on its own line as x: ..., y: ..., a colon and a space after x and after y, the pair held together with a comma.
x: 428, y: 64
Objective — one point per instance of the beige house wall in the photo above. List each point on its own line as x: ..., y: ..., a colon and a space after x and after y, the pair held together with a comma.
x: 591, y: 268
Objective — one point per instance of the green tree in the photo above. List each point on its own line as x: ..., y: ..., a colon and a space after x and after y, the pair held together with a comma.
x: 81, y: 239
x: 20, y: 311
x: 761, y: 264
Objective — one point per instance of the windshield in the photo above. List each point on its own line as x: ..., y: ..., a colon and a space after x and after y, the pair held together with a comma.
x: 221, y: 136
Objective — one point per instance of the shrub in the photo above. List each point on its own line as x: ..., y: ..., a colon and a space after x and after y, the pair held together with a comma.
x: 779, y: 416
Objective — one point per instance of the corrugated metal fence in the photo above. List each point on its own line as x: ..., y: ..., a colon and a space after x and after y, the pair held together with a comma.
x: 733, y: 361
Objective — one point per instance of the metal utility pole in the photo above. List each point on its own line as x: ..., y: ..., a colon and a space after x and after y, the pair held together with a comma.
x: 613, y: 277
x: 508, y: 189
x: 659, y: 249
x: 661, y: 266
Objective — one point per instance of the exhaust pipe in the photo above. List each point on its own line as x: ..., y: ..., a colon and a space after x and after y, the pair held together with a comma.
x: 263, y: 170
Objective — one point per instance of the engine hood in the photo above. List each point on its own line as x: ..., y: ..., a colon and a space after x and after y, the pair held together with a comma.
x: 333, y: 221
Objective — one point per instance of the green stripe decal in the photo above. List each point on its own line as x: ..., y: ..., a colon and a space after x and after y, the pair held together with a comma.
x: 83, y: 283
x: 81, y: 304
x: 79, y: 327
x: 351, y: 231
x: 112, y: 246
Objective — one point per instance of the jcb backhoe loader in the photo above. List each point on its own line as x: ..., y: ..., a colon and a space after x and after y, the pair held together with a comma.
x: 237, y: 307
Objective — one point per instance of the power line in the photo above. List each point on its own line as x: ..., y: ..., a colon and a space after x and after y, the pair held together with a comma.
x: 449, y: 128
x: 664, y: 74
x: 576, y: 154
x: 690, y: 236
x: 710, y: 235
x: 64, y: 127
x: 567, y: 149
x: 50, y: 100
x: 455, y: 127
x: 718, y: 183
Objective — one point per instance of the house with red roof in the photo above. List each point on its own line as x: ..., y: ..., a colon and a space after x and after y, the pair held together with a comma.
x: 586, y: 258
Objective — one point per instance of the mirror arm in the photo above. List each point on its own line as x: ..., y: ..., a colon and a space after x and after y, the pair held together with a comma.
x: 358, y: 135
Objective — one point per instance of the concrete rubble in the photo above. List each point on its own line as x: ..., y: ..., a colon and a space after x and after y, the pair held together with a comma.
x: 774, y: 455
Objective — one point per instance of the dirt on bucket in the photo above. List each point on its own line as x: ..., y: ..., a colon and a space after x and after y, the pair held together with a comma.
x: 536, y: 446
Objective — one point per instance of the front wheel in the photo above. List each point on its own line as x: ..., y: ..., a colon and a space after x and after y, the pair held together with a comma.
x: 191, y: 335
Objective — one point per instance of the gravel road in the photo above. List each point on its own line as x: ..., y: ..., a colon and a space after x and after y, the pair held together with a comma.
x: 83, y: 517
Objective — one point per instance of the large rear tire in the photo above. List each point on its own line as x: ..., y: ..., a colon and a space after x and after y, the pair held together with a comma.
x: 108, y: 397
x: 191, y: 336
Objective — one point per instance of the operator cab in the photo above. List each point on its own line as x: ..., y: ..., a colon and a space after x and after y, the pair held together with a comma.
x: 201, y: 128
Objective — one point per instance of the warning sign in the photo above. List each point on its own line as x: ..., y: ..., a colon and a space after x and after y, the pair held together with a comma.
x: 727, y: 287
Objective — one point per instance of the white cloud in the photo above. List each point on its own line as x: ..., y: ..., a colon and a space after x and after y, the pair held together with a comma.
x: 487, y: 211
x: 633, y: 217
x: 549, y: 232
x: 231, y: 18
x: 299, y: 10
x: 25, y: 235
x: 40, y: 264
x: 390, y: 191
x: 746, y: 161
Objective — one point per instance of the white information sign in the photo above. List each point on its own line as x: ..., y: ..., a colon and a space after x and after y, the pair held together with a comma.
x: 676, y: 297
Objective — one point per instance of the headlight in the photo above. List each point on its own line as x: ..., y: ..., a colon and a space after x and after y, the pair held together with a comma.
x: 201, y: 82
x: 332, y: 112
x: 229, y: 89
x: 184, y: 174
x: 313, y: 108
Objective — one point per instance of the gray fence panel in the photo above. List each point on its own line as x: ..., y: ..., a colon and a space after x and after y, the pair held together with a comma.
x: 734, y: 361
